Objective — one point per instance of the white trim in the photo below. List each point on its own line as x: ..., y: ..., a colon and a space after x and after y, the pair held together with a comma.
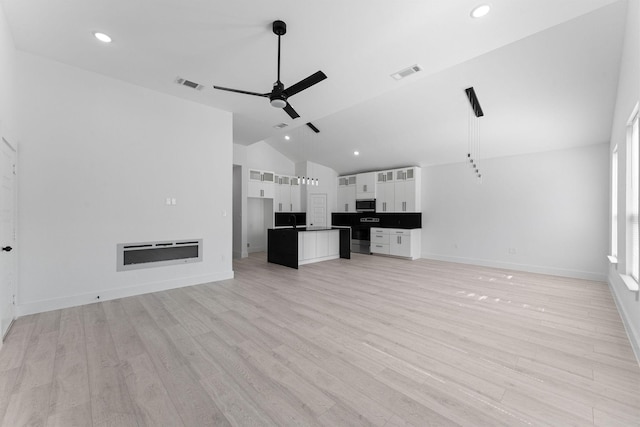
x: 577, y: 274
x: 634, y: 114
x: 632, y: 333
x: 629, y: 282
x: 82, y: 299
x: 612, y: 259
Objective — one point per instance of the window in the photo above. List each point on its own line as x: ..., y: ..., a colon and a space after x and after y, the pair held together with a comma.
x: 633, y: 196
x: 614, y: 203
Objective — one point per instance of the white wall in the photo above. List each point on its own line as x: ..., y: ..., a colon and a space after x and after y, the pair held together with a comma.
x: 628, y: 95
x: 237, y: 211
x: 7, y: 80
x: 98, y: 158
x: 264, y: 157
x: 549, y: 207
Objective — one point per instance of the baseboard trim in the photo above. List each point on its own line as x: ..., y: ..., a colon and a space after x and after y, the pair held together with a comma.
x: 106, y: 295
x: 632, y: 333
x: 586, y: 275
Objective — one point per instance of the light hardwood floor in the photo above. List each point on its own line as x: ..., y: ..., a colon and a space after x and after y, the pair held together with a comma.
x: 367, y: 341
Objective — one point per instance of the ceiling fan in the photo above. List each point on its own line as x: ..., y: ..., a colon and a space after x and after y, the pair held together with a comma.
x: 279, y: 95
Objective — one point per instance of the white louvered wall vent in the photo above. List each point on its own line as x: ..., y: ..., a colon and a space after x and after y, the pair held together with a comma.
x: 134, y: 256
x: 189, y: 83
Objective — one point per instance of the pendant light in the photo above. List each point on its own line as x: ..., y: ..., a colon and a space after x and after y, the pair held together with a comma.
x: 473, y: 147
x: 304, y: 138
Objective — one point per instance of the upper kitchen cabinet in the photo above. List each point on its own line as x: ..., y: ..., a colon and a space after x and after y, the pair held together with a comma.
x: 282, y: 194
x: 347, y: 193
x: 261, y: 184
x: 287, y: 194
x: 407, y: 190
x: 395, y: 190
x: 385, y: 191
x: 366, y: 185
x: 295, y: 194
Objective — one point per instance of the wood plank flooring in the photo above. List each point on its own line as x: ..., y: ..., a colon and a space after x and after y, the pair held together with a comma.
x: 369, y: 341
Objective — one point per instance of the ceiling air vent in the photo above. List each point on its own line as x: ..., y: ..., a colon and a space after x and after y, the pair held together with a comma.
x: 189, y: 83
x: 280, y: 126
x: 406, y: 72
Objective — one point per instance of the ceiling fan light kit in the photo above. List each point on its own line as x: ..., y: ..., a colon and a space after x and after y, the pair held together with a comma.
x: 278, y: 103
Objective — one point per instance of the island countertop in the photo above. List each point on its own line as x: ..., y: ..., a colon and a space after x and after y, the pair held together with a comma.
x: 311, y: 228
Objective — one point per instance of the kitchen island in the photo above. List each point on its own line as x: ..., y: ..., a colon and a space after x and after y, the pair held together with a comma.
x: 293, y: 247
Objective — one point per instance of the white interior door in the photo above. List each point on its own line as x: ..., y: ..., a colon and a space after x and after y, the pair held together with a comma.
x: 317, y: 215
x: 7, y: 238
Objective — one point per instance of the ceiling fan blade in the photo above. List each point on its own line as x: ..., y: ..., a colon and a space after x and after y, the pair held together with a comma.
x: 290, y: 111
x: 305, y: 83
x: 313, y: 128
x: 242, y: 91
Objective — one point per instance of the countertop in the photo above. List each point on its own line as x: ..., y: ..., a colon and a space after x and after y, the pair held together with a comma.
x: 301, y: 229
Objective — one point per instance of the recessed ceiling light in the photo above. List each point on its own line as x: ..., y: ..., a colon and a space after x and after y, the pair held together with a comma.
x: 287, y: 137
x: 356, y: 153
x: 480, y: 11
x: 102, y: 37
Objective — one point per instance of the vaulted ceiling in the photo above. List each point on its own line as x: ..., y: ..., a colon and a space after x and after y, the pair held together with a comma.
x: 545, y: 71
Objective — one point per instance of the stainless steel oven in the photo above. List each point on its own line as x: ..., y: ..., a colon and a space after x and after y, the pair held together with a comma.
x: 366, y: 205
x: 361, y: 235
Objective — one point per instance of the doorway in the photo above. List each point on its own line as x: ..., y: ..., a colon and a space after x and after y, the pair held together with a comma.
x: 237, y: 211
x: 8, y: 285
x: 317, y: 216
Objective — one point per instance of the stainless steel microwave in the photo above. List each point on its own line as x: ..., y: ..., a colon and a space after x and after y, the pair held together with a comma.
x: 366, y: 205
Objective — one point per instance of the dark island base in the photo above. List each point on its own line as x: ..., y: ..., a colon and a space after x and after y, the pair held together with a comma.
x: 282, y: 245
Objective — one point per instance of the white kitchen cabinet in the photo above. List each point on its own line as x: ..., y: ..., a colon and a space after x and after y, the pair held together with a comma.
x: 261, y: 184
x: 400, y: 242
x: 366, y: 185
x: 306, y: 246
x: 314, y: 246
x: 347, y: 193
x: 395, y: 190
x: 322, y: 243
x: 282, y: 199
x: 407, y: 190
x: 294, y: 182
x: 385, y: 191
x: 379, y: 241
x: 379, y: 248
x: 396, y: 242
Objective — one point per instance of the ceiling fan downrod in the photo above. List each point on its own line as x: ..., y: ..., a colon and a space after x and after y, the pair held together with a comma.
x: 278, y: 99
